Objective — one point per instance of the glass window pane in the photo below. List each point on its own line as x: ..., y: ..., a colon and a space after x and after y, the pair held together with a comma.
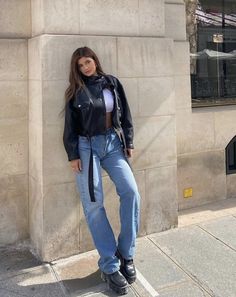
x: 211, y: 28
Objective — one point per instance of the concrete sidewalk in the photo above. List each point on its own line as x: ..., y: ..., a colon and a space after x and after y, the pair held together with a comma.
x: 197, y: 259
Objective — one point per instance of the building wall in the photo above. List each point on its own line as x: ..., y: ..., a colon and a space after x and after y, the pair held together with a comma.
x: 143, y: 42
x: 15, y: 29
x: 139, y: 52
x: 202, y: 136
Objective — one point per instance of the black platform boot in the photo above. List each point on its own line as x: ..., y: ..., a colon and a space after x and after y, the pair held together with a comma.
x: 116, y: 282
x: 127, y: 268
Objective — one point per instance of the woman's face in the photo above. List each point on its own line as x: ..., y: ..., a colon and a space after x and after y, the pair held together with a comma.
x: 87, y: 66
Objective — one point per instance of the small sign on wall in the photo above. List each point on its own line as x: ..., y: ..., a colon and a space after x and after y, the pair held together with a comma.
x: 188, y: 193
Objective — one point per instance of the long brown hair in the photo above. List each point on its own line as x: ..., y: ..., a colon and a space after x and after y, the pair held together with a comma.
x: 75, y: 77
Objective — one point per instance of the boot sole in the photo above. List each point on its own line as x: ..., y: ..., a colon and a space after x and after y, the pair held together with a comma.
x: 118, y: 290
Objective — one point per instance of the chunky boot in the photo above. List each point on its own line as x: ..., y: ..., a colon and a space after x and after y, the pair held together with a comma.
x: 127, y: 268
x: 116, y: 282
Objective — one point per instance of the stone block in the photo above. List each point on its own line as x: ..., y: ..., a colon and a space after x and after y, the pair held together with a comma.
x: 15, y: 19
x: 35, y: 58
x: 151, y: 18
x: 53, y: 101
x: 161, y: 196
x: 13, y: 57
x: 131, y: 90
x: 156, y: 96
x: 175, y: 24
x: 231, y: 185
x: 132, y: 18
x: 145, y: 57
x: 36, y: 152
x: 37, y: 17
x: 14, y: 208
x: 35, y: 102
x: 60, y: 221
x: 56, y: 16
x: 224, y: 126
x: 47, y: 154
x: 115, y: 18
x: 190, y: 125
x: 182, y: 92
x: 143, y: 18
x: 155, y: 142
x: 13, y: 146
x: 181, y: 58
x: 57, y: 52
x: 54, y: 157
x: 36, y: 215
x: 203, y: 172
x: 13, y: 99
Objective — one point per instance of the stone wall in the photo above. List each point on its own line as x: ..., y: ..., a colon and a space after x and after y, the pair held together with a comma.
x: 202, y: 136
x: 14, y: 30
x: 139, y: 52
x: 143, y: 42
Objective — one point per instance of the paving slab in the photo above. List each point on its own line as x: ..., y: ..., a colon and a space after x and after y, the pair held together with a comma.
x: 6, y: 293
x: 201, y: 214
x: 207, y: 260
x: 79, y: 274
x: 207, y: 212
x: 188, y: 289
x: 109, y: 293
x: 15, y: 262
x: 81, y: 277
x: 229, y: 205
x: 156, y: 267
x: 222, y: 228
x: 36, y: 283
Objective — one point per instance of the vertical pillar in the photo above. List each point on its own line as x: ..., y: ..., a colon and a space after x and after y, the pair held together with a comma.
x: 137, y: 51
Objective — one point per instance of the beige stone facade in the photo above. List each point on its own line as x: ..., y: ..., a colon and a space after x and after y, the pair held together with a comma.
x: 143, y: 42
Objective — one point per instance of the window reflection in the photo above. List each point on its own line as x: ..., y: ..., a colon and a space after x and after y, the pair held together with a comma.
x: 211, y: 28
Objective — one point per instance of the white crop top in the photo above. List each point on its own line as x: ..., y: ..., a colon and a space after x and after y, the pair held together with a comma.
x: 109, y: 100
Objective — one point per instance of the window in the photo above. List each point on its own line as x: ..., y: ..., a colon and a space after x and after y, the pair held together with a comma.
x: 230, y: 152
x: 211, y: 29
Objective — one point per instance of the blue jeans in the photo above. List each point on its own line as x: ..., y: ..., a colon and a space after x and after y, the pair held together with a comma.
x: 108, y: 154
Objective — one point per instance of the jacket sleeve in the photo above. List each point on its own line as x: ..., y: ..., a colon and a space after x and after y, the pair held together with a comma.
x: 70, y: 136
x: 126, y: 118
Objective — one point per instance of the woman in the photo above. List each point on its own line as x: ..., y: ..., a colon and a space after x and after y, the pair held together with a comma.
x: 98, y: 134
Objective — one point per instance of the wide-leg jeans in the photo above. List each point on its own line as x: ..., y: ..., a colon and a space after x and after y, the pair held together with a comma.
x: 108, y: 153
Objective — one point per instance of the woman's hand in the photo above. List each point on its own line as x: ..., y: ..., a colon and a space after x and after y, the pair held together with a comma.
x: 76, y: 165
x: 129, y: 152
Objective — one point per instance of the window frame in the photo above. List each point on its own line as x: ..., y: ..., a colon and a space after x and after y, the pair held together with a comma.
x: 227, y: 152
x: 214, y: 100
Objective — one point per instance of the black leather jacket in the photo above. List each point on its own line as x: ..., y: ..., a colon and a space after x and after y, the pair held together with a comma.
x: 85, y: 114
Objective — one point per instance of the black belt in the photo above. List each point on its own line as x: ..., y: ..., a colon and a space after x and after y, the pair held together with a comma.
x: 90, y: 173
